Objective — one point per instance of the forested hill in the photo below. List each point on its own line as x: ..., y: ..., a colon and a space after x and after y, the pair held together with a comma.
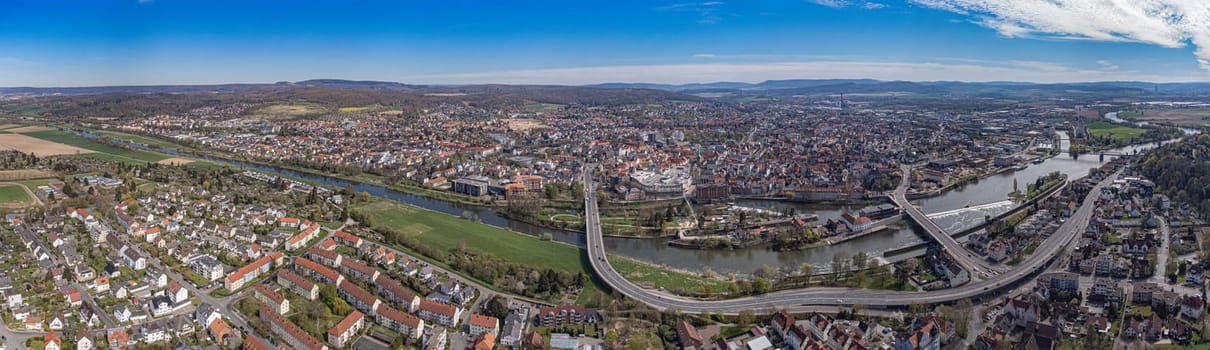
x: 1181, y: 170
x: 104, y: 102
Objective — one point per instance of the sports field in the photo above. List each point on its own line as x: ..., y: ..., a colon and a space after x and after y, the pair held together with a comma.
x: 13, y: 195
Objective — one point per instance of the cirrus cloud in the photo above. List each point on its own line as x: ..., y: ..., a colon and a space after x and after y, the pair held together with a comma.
x: 1166, y: 23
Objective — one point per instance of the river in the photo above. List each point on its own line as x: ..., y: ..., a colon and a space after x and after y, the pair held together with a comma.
x: 744, y: 261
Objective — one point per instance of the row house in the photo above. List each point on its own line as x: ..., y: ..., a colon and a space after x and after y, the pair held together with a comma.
x: 272, y: 298
x: 314, y: 270
x: 565, y: 315
x: 358, y: 269
x: 443, y: 314
x: 358, y: 297
x: 343, y: 331
x: 395, y: 292
x: 249, y: 272
x: 297, y: 284
x: 290, y: 333
x: 324, y: 256
x: 348, y: 239
x: 404, y: 323
x: 299, y: 240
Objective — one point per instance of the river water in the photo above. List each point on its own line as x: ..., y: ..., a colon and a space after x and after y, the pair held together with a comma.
x: 985, y: 197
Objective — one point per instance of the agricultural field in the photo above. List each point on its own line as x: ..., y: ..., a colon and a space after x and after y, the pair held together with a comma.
x: 28, y: 129
x: 23, y: 174
x: 1114, y: 131
x: 28, y: 143
x: 525, y: 124
x: 543, y: 107
x: 68, y: 138
x: 292, y: 110
x: 1180, y: 117
x: 356, y: 109
x: 175, y: 161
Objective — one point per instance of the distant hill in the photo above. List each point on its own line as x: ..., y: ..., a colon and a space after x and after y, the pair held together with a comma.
x: 329, y: 94
x: 135, y: 89
x: 359, y: 85
x: 833, y: 86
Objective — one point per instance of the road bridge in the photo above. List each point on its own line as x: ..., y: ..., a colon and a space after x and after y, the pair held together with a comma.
x: 810, y: 299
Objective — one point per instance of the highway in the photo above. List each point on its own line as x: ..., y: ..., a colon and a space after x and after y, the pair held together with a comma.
x: 805, y: 300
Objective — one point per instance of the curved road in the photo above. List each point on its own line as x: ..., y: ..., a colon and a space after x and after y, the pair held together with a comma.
x: 950, y: 245
x: 802, y: 300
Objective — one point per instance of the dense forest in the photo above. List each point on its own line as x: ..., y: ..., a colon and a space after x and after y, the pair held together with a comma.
x: 1181, y: 170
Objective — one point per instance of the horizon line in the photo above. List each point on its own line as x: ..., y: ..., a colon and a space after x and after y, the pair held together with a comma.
x: 590, y: 85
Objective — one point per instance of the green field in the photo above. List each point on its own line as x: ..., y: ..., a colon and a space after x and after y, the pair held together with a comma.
x: 656, y: 277
x: 137, y: 139
x: 293, y: 109
x: 444, y: 231
x: 108, y: 152
x: 542, y: 107
x: 13, y: 194
x: 1115, y: 131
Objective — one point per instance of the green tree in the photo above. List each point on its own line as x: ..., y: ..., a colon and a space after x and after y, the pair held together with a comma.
x: 761, y: 285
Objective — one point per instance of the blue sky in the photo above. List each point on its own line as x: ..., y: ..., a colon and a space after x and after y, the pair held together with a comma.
x: 125, y: 42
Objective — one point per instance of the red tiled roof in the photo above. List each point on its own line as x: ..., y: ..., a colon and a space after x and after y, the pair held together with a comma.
x: 394, y: 287
x: 52, y: 337
x: 294, y: 278
x: 487, y: 342
x: 438, y: 308
x: 326, y: 254
x: 290, y: 328
x: 347, y: 236
x: 219, y: 328
x: 399, y: 316
x: 269, y: 293
x: 320, y: 269
x: 253, y: 343
x: 343, y: 326
x: 484, y: 321
x: 358, y: 266
x: 246, y: 269
x: 357, y: 292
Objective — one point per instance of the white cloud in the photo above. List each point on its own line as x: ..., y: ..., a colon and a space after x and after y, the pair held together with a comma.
x: 967, y: 70
x: 868, y: 5
x: 1166, y: 23
x: 831, y: 3
x: 703, y: 55
x: 1107, y: 64
x: 705, y: 10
